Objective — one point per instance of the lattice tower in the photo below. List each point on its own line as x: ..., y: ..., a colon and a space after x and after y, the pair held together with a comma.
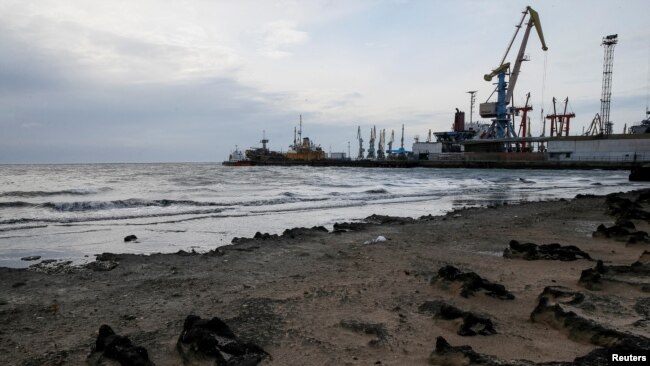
x: 605, y: 100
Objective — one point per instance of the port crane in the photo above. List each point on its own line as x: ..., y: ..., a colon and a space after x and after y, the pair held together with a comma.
x: 390, y: 142
x: 371, y: 143
x: 560, y: 122
x: 361, y: 149
x: 502, y: 124
x: 381, y: 147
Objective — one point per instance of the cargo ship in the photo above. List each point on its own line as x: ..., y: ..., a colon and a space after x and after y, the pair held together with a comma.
x: 303, y: 149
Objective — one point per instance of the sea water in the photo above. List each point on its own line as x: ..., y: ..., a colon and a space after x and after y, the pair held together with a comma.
x: 72, y: 212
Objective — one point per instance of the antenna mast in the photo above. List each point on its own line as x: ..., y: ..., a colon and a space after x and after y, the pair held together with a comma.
x: 472, y: 100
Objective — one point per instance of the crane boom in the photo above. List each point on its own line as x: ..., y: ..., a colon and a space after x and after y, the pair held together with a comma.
x: 534, y: 21
x: 502, y: 124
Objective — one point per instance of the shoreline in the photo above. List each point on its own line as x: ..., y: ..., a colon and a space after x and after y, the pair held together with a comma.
x: 313, y: 297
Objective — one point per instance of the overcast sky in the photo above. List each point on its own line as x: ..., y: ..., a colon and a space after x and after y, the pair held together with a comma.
x: 169, y: 81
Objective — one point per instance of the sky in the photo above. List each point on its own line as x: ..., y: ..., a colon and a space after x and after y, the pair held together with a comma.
x: 85, y: 81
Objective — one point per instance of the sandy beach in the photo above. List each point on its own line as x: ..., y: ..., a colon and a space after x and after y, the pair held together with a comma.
x: 348, y: 297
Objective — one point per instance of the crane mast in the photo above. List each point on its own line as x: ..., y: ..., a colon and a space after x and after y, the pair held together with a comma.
x: 381, y: 146
x: 501, y: 124
x: 361, y: 150
x: 371, y: 143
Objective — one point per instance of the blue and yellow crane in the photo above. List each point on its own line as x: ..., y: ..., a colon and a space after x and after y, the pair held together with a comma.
x: 502, y: 126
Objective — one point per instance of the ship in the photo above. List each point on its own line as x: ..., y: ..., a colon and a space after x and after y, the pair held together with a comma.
x: 237, y: 158
x: 643, y: 126
x: 303, y: 149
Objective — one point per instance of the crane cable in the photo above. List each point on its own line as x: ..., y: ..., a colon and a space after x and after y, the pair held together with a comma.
x: 541, y: 112
x: 647, y: 95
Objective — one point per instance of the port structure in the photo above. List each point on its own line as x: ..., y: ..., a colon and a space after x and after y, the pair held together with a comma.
x: 472, y: 101
x: 560, y: 122
x: 371, y: 144
x: 381, y: 146
x: 391, y: 141
x: 502, y: 126
x: 524, y: 126
x: 265, y: 141
x: 601, y: 124
x: 606, y: 98
x: 361, y: 149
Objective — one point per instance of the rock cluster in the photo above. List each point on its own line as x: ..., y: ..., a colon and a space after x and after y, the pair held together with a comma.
x: 446, y: 354
x: 625, y: 208
x: 118, y: 348
x: 472, y: 324
x: 472, y: 282
x: 622, y: 230
x: 637, y: 274
x: 551, y: 310
x: 212, y: 339
x: 288, y: 233
x: 530, y: 251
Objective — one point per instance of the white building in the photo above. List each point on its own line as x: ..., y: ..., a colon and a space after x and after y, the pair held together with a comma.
x: 606, y: 148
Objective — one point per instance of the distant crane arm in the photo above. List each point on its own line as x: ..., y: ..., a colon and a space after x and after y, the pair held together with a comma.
x: 533, y: 21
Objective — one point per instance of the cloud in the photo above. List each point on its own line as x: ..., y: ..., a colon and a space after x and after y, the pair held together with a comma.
x: 279, y: 37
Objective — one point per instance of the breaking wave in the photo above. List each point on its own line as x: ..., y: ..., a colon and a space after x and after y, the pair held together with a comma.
x: 129, y: 203
x: 68, y: 192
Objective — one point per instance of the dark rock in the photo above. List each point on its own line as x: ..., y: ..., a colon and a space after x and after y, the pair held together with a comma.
x: 350, y: 226
x: 107, y: 257
x: 378, y: 330
x: 118, y: 348
x: 31, y: 258
x: 623, y: 229
x: 102, y: 266
x: 624, y: 223
x: 472, y: 282
x: 636, y: 274
x: 382, y: 219
x: 263, y: 236
x: 530, y: 251
x: 303, y: 231
x: 54, y: 266
x: 639, y: 173
x: 590, y: 279
x: 202, y: 338
x: 215, y: 253
x: 445, y: 354
x: 18, y: 284
x: 625, y: 208
x: 642, y: 307
x: 472, y: 323
x: 581, y: 196
x: 550, y: 310
x: 130, y: 238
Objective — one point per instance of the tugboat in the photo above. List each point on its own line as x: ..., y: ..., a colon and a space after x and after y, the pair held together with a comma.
x: 237, y: 158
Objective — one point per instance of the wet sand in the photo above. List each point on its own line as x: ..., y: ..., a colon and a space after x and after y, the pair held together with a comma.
x: 336, y: 298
